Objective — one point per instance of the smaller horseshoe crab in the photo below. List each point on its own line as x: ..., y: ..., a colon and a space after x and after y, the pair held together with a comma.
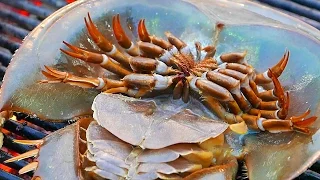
x: 153, y: 135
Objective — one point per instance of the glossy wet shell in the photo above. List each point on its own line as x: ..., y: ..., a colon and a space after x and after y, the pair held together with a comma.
x: 100, y: 153
x: 248, y: 27
x: 143, y: 124
x: 40, y: 48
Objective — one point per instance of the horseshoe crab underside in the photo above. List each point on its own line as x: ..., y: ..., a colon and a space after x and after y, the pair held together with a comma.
x: 158, y: 137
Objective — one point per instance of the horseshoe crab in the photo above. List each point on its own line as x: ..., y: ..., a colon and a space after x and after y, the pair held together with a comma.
x: 64, y: 101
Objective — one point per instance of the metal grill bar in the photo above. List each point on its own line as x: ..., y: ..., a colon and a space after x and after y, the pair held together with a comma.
x: 23, y: 130
x: 9, y: 44
x: 55, y: 3
x: 5, y: 56
x: 26, y: 22
x: 315, y: 4
x: 309, y: 175
x: 295, y: 8
x: 7, y: 176
x: 19, y: 148
x: 15, y: 165
x: 49, y: 126
x: 26, y: 5
x: 13, y: 30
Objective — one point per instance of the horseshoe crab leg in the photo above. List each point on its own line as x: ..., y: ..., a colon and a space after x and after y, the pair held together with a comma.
x: 278, y: 125
x: 244, y: 85
x: 55, y: 76
x: 157, y: 47
x: 135, y: 85
x: 104, y: 44
x: 262, y: 120
x: 218, y: 92
x: 179, y: 44
x: 143, y: 32
x: 96, y: 58
x: 145, y: 37
x: 283, y: 100
x: 154, y: 81
x: 148, y: 65
x: 220, y: 111
x: 122, y: 38
x: 233, y: 58
x: 230, y: 83
x: 265, y: 78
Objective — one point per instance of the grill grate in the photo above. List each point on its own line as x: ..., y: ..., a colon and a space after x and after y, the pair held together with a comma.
x: 24, y: 127
x: 305, y: 10
x: 19, y: 17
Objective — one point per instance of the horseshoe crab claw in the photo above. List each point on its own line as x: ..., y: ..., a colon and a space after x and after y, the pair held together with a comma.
x: 152, y: 144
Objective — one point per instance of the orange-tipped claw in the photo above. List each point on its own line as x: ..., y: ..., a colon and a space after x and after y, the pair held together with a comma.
x: 305, y: 123
x: 75, y: 55
x: 302, y: 116
x: 265, y: 78
x: 96, y: 58
x: 280, y: 66
x: 82, y: 54
x: 302, y: 125
x: 283, y: 112
x: 142, y: 31
x: 283, y: 99
x: 55, y: 76
x: 97, y: 36
x: 119, y: 33
x: 278, y: 89
x: 287, y: 102
x: 55, y: 73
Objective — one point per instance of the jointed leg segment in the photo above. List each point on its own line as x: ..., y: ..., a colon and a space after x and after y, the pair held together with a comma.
x: 228, y: 85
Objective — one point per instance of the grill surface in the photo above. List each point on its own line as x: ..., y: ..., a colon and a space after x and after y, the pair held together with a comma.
x: 19, y: 17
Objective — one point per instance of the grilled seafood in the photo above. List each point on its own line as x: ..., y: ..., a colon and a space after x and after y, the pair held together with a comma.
x: 229, y: 87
